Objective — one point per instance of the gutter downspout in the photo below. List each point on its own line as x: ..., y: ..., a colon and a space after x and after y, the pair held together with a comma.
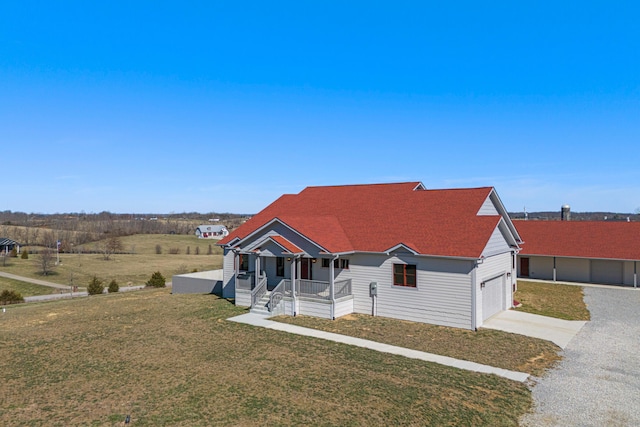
x: 554, y: 269
x: 635, y: 274
x: 332, y: 286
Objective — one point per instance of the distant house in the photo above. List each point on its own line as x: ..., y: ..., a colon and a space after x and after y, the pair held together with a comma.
x: 445, y: 257
x: 211, y: 231
x: 580, y: 251
x: 7, y: 245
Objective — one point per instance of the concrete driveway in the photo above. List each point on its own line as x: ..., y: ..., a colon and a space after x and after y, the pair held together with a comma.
x: 558, y: 331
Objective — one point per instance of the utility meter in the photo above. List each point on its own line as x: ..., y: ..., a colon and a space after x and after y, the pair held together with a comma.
x: 373, y: 289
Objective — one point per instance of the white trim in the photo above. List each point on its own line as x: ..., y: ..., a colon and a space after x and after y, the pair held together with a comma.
x: 274, y: 220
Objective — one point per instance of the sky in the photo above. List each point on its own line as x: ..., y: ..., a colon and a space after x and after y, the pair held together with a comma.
x: 223, y: 106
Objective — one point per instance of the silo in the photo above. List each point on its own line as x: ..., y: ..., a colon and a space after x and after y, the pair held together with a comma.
x: 565, y: 214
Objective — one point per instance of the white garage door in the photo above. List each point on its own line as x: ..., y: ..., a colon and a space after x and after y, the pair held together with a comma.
x: 492, y: 296
x: 608, y: 272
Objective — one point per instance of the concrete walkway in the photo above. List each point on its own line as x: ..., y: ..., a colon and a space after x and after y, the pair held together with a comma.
x: 262, y: 321
x: 34, y: 281
x: 558, y: 331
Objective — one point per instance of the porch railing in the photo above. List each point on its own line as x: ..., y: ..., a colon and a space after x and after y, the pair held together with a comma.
x: 245, y: 281
x: 277, y: 294
x: 317, y: 289
x: 259, y: 291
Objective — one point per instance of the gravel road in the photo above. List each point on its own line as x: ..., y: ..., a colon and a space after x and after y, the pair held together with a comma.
x: 598, y: 381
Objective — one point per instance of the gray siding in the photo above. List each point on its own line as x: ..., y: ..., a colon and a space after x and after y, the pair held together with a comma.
x: 442, y: 295
x: 344, y: 307
x: 497, y: 244
x: 540, y: 268
x: 572, y: 270
x: 229, y: 280
x: 315, y: 308
x: 243, y: 298
x: 607, y: 272
x: 628, y: 272
x: 488, y: 208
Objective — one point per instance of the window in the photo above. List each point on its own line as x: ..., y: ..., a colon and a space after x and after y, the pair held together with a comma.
x: 244, y: 263
x: 280, y: 266
x: 404, y: 275
x: 337, y: 263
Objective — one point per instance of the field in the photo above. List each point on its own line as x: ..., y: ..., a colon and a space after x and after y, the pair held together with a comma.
x: 25, y: 289
x: 174, y: 360
x: 134, y: 266
x: 552, y: 299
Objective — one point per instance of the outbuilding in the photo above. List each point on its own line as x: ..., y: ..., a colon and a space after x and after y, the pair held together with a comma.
x: 207, y: 231
x: 603, y: 252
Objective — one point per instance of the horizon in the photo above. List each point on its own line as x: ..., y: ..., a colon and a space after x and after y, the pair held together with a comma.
x: 150, y: 107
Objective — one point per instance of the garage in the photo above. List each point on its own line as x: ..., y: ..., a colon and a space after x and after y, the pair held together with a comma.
x: 607, y: 272
x: 492, y: 297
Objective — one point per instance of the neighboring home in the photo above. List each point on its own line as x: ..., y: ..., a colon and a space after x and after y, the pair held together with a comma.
x: 444, y: 257
x: 211, y: 231
x: 7, y: 245
x: 580, y: 251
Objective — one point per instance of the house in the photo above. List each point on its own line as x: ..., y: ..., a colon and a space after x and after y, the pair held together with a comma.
x: 7, y: 245
x: 603, y: 252
x: 445, y: 257
x: 211, y: 231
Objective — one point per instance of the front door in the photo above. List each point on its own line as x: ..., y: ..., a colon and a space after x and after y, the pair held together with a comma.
x: 305, y: 269
x: 524, y: 267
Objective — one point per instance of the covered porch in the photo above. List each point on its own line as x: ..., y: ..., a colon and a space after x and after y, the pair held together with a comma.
x: 278, y: 290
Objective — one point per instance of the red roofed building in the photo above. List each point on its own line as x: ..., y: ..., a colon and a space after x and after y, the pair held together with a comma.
x: 445, y: 257
x: 604, y: 252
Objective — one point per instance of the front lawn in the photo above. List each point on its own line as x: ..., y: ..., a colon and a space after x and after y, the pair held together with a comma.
x: 25, y: 289
x: 175, y: 360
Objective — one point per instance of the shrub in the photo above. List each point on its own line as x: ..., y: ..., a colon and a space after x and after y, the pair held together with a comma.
x: 158, y: 249
x: 157, y: 280
x: 197, y: 250
x: 10, y: 297
x: 210, y: 251
x: 95, y: 286
x: 174, y: 251
x: 25, y: 254
x: 113, y: 286
x: 188, y: 250
x: 14, y: 253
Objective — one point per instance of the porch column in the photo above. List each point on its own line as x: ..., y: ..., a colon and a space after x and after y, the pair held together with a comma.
x: 554, y: 269
x: 257, y: 268
x: 293, y: 283
x: 236, y: 268
x: 332, y: 290
x: 635, y: 274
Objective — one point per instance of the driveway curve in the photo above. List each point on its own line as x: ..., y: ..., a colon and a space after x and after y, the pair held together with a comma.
x: 598, y: 381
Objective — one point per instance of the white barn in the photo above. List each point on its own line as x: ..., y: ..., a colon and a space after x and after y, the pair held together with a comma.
x: 211, y: 231
x: 445, y: 257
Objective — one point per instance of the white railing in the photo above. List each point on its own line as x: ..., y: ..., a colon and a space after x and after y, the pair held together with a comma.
x: 259, y: 291
x: 277, y: 294
x: 313, y: 289
x: 245, y: 281
x: 342, y: 288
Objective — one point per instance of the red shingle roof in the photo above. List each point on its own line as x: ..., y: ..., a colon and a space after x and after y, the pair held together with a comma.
x: 581, y: 239
x: 375, y: 218
x: 287, y: 245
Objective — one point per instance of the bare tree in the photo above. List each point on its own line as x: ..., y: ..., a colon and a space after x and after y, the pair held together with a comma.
x: 46, y: 261
x: 109, y: 246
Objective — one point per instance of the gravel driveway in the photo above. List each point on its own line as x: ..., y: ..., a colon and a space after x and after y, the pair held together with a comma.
x: 598, y: 381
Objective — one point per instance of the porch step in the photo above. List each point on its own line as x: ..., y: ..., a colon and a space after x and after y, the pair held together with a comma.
x: 261, y: 306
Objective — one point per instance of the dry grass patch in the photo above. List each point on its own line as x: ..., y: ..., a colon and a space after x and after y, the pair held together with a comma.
x: 25, y: 289
x: 135, y: 267
x: 174, y: 360
x: 486, y: 346
x: 553, y: 300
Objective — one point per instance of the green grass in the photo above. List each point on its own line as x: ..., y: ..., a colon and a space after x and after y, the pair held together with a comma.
x: 25, y: 289
x: 486, y: 346
x: 552, y: 299
x: 174, y: 360
x: 134, y: 267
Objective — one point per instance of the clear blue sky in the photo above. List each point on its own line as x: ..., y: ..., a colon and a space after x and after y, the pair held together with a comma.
x: 223, y: 106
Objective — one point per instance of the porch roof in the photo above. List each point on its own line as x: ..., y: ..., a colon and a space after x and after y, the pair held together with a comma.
x: 286, y: 245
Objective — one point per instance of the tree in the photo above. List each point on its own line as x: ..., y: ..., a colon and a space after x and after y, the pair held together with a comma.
x: 10, y: 297
x: 45, y: 261
x: 109, y: 246
x: 157, y: 280
x: 25, y: 254
x: 14, y: 253
x: 95, y: 286
x: 113, y: 286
